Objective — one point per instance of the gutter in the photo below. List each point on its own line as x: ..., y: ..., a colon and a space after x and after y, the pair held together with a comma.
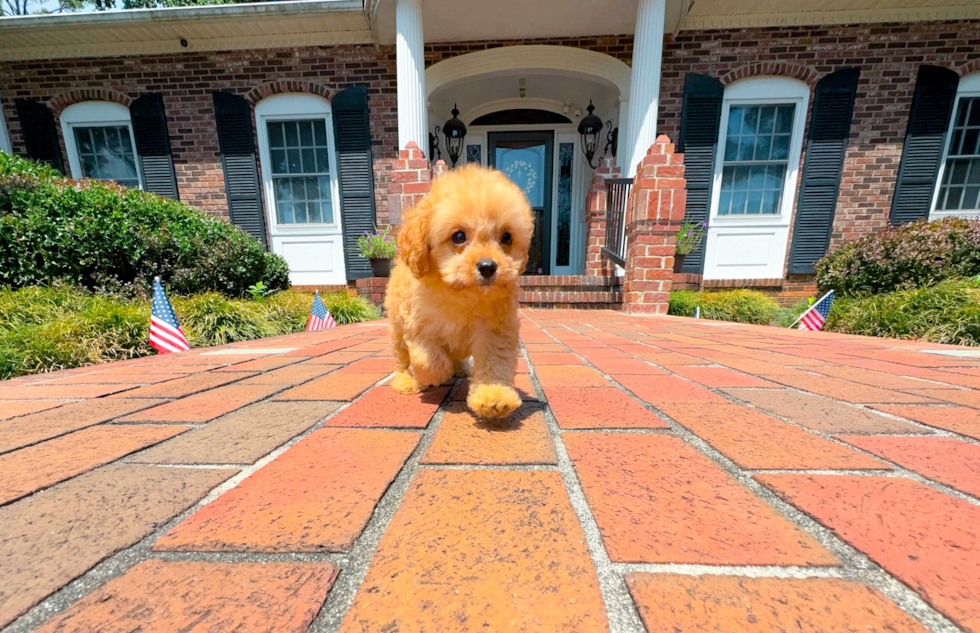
x: 179, y: 14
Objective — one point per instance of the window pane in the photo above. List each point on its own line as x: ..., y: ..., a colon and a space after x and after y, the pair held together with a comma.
x: 565, y: 156
x: 974, y: 107
x: 322, y: 160
x: 755, y: 163
x: 320, y: 132
x: 767, y: 120
x: 735, y: 121
x: 784, y: 121
x: 295, y: 166
x: 309, y: 160
x: 780, y: 148
x: 306, y: 133
x: 106, y: 153
x: 731, y: 147
x: 275, y: 134
x: 292, y: 134
x: 278, y: 159
x: 970, y: 142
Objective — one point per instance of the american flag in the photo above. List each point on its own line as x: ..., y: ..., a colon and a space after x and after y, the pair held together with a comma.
x: 320, y: 318
x: 814, y: 318
x: 165, y: 333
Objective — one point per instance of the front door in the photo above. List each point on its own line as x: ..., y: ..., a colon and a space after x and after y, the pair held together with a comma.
x: 527, y: 159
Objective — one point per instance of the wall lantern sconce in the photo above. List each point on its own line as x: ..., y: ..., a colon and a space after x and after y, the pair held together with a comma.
x: 589, y: 128
x: 455, y: 132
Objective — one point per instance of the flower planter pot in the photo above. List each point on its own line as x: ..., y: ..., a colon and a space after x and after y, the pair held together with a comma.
x: 381, y: 267
x: 678, y: 262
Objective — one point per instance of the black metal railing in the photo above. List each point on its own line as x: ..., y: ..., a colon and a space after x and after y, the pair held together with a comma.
x: 618, y: 194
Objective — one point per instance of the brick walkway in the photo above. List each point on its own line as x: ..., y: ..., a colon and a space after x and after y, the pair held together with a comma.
x: 686, y: 475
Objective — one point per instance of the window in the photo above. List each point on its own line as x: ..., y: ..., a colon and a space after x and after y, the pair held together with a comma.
x: 300, y: 165
x: 959, y: 178
x: 295, y: 134
x: 761, y: 137
x: 99, y: 139
x: 756, y: 156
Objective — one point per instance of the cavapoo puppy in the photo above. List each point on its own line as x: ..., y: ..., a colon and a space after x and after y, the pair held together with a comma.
x: 453, y: 291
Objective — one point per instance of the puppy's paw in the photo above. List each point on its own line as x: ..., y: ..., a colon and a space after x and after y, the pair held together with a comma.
x: 461, y: 368
x: 405, y: 384
x: 428, y: 377
x: 493, y: 401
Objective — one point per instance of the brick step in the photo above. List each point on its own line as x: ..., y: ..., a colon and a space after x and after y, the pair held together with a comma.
x: 567, y: 291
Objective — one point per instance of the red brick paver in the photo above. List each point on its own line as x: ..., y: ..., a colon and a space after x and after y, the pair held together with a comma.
x: 317, y: 496
x: 185, y: 596
x: 927, y: 539
x: 35, y: 467
x: 945, y: 459
x: 962, y: 420
x: 58, y: 534
x: 669, y: 603
x: 481, y: 550
x: 619, y: 468
x: 658, y: 500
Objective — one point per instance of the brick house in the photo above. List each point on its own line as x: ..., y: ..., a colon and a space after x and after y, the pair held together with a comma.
x: 791, y: 127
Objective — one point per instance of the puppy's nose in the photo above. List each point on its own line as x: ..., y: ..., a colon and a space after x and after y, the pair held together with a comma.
x: 487, y: 268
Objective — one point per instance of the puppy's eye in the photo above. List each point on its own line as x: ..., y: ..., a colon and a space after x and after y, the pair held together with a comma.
x: 459, y: 238
x: 506, y: 239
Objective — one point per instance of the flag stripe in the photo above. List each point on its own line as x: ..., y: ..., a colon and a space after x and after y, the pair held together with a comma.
x: 174, y: 336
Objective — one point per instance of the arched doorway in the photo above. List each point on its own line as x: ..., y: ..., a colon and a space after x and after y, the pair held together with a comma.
x: 521, y: 106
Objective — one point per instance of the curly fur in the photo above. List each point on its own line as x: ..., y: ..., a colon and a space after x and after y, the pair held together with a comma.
x: 442, y: 310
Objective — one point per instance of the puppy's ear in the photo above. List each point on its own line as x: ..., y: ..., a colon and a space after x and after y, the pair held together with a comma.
x: 413, y: 241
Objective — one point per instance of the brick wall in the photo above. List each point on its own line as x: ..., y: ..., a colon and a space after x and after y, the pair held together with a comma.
x: 186, y: 81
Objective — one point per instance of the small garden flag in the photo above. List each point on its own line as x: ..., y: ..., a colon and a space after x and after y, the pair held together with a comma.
x: 814, y: 318
x: 165, y: 334
x: 320, y: 318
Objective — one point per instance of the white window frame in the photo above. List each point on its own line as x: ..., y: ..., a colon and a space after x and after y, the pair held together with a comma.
x: 744, y: 233
x: 95, y: 114
x: 763, y: 91
x: 296, y: 107
x: 969, y: 87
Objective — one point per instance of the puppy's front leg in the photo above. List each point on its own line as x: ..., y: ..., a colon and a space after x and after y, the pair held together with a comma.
x: 492, y: 393
x: 430, y: 365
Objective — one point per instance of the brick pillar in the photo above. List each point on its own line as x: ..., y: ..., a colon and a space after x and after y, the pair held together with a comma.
x: 655, y: 213
x: 596, y: 205
x: 410, y: 181
x: 439, y: 169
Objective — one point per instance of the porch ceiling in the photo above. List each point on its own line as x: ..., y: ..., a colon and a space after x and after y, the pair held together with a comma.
x: 712, y: 14
x: 221, y: 27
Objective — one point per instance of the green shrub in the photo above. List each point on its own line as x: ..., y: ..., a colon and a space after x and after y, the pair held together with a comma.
x: 788, y: 316
x: 61, y: 326
x: 918, y: 254
x: 742, y: 306
x: 103, y: 236
x: 947, y: 312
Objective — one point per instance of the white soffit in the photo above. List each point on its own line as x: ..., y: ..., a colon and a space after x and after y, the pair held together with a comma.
x: 206, y: 28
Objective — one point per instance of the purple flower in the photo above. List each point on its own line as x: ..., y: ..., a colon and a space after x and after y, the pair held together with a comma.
x: 690, y: 232
x: 704, y: 224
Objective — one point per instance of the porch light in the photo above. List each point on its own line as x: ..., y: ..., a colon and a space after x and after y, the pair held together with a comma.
x: 589, y: 128
x: 455, y: 131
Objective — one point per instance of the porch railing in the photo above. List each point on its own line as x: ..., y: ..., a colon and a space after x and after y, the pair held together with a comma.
x: 618, y: 194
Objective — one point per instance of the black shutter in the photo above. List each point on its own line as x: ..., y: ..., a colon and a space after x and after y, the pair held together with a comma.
x: 353, y: 135
x: 700, y: 120
x: 234, y: 121
x: 830, y: 125
x: 935, y: 91
x: 40, y: 133
x: 153, y: 145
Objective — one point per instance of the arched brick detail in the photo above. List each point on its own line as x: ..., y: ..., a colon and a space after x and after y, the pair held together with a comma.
x: 65, y: 99
x: 281, y: 86
x: 778, y: 69
x: 969, y: 68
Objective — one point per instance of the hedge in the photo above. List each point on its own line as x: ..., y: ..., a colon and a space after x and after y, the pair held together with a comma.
x: 742, y: 306
x: 103, y: 236
x: 59, y: 327
x: 910, y: 256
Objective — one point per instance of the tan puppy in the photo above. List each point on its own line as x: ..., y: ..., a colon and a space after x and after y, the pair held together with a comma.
x: 453, y: 291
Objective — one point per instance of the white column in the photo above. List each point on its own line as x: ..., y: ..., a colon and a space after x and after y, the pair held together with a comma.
x: 648, y: 49
x: 410, y: 52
